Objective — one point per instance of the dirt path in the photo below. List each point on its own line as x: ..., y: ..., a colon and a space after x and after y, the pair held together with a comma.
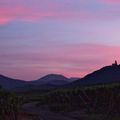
x: 31, y: 110
x: 25, y: 116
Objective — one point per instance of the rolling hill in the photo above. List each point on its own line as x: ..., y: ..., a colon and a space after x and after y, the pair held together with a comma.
x: 48, y: 81
x: 105, y: 75
x: 53, y: 79
x: 10, y: 83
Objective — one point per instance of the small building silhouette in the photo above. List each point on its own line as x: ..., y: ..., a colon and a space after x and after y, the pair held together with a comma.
x: 115, y: 63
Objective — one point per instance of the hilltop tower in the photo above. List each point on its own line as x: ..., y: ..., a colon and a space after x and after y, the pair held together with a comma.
x: 115, y: 63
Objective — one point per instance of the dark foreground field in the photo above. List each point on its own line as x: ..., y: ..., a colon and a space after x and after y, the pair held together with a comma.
x: 99, y: 102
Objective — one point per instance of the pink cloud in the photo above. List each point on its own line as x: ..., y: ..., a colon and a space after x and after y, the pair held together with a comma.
x: 13, y: 10
x: 9, y: 14
x: 4, y: 21
x: 70, y: 60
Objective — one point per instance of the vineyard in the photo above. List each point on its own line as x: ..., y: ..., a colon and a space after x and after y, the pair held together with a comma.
x: 96, y: 100
x: 9, y: 105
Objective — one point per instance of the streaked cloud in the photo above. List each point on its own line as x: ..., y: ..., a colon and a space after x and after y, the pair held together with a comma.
x: 12, y: 10
x: 71, y: 37
x: 73, y: 59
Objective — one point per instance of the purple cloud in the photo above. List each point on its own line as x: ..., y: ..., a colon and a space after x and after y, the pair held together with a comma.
x: 12, y: 10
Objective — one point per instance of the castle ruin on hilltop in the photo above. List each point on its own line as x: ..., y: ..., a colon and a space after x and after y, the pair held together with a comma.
x: 115, y: 63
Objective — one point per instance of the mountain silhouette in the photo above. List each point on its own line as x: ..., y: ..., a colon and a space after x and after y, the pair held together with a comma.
x: 53, y: 79
x: 105, y: 75
x: 10, y: 83
x: 48, y: 81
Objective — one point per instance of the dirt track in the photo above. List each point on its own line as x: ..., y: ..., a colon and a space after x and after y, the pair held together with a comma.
x: 31, y: 112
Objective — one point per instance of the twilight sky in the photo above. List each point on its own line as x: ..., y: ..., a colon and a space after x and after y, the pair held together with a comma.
x: 69, y: 37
